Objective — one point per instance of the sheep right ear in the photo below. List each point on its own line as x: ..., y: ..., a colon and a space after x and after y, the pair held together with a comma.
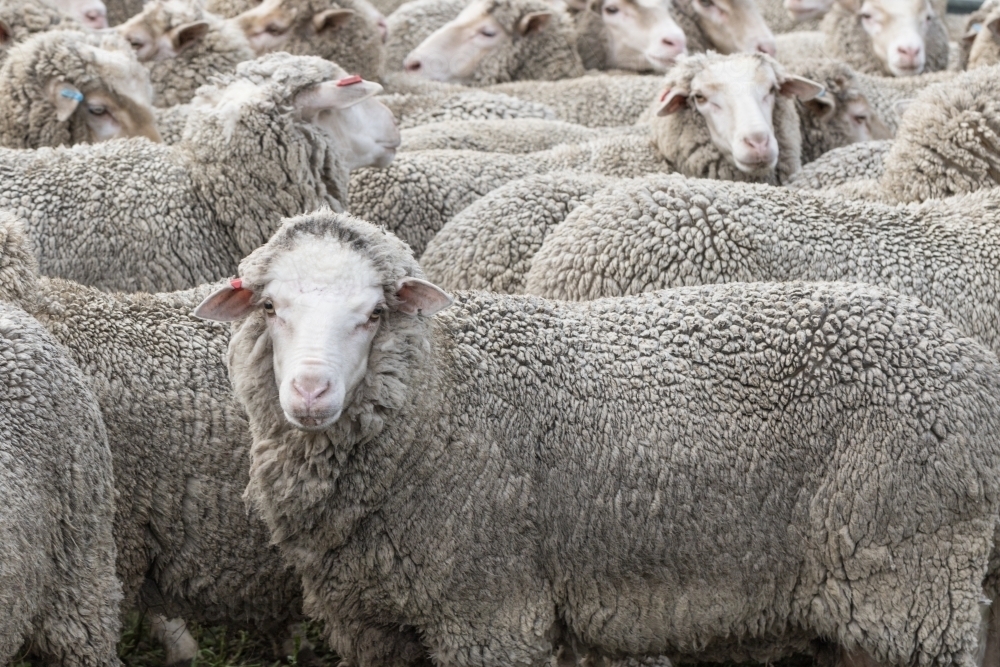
x: 419, y: 297
x: 533, y: 22
x: 5, y: 34
x: 672, y: 100
x: 900, y: 106
x: 821, y: 106
x: 188, y: 34
x: 336, y: 94
x: 801, y: 87
x: 65, y: 98
x: 229, y: 303
x: 331, y: 19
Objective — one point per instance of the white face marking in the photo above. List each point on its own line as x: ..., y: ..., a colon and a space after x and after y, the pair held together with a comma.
x: 454, y: 51
x: 642, y: 33
x: 736, y: 97
x: 367, y: 130
x: 898, y: 29
x: 321, y: 302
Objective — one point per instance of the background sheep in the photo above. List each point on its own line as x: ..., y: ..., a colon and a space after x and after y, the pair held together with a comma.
x: 64, y: 87
x: 793, y: 15
x: 636, y: 35
x: 412, y: 23
x: 493, y: 41
x: 726, y: 26
x: 183, y: 46
x: 503, y: 581
x: 57, y: 586
x: 520, y: 135
x: 168, y: 217
x: 344, y: 31
x: 91, y: 14
x: 981, y: 36
x: 21, y: 18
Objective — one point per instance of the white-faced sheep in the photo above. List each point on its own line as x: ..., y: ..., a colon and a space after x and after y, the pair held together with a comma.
x: 725, y: 26
x: 64, y: 87
x: 183, y: 46
x: 744, y: 133
x: 345, y: 31
x: 169, y: 217
x: 636, y: 35
x: 58, y: 589
x: 515, y: 472
x: 493, y: 41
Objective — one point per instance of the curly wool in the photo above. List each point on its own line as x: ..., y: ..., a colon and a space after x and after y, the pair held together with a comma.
x: 888, y: 95
x: 489, y: 245
x: 120, y: 11
x: 59, y: 592
x: 181, y: 445
x: 177, y: 79
x: 420, y: 191
x: 26, y: 17
x: 135, y: 216
x: 861, y: 161
x: 414, y: 22
x: 659, y: 232
x: 416, y: 109
x: 779, y: 21
x: 519, y: 135
x: 517, y: 470
x: 87, y: 61
x: 846, y: 40
x: 18, y: 266
x: 948, y: 141
x: 684, y: 140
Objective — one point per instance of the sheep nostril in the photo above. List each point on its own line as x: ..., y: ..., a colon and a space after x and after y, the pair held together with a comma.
x: 767, y: 47
x: 412, y: 65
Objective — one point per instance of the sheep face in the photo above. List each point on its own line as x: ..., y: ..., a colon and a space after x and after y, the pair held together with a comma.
x: 164, y: 29
x: 732, y: 26
x: 897, y: 29
x: 736, y: 96
x: 806, y: 10
x: 89, y: 13
x: 639, y: 33
x: 274, y: 23
x: 456, y: 50
x: 322, y: 303
x: 367, y: 130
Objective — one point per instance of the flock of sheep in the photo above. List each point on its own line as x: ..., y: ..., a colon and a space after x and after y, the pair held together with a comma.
x: 502, y: 332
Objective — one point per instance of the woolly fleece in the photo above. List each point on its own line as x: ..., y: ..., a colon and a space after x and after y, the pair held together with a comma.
x: 412, y: 23
x: 521, y: 135
x: 515, y: 471
x: 856, y: 162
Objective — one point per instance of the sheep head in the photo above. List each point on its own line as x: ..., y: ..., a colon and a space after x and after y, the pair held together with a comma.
x: 633, y: 35
x: 730, y: 26
x: 897, y: 30
x: 164, y: 29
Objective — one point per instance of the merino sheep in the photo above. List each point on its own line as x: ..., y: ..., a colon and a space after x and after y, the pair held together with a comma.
x: 64, y: 87
x: 979, y: 43
x: 494, y: 41
x: 636, y: 35
x: 412, y: 23
x: 658, y: 232
x: 784, y: 16
x: 889, y: 96
x: 169, y: 217
x: 884, y: 37
x: 750, y: 135
x: 21, y: 18
x: 726, y: 26
x: 521, y: 135
x: 58, y: 589
x: 344, y: 31
x: 856, y: 162
x: 415, y: 109
x: 473, y: 478
x: 183, y: 46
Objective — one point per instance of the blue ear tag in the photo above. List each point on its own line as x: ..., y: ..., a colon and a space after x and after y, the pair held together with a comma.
x: 821, y: 93
x: 71, y: 94
x: 976, y: 27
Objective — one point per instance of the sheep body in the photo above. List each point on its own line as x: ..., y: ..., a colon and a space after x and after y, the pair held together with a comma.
x: 24, y: 18
x: 861, y: 161
x: 481, y: 481
x: 522, y: 135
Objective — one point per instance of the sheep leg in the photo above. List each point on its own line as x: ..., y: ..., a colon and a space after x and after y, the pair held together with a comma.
x: 180, y: 646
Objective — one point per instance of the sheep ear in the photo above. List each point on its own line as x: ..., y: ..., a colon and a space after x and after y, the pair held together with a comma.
x: 672, y: 100
x: 65, y: 98
x: 331, y: 19
x: 821, y: 106
x: 227, y: 304
x: 900, y: 106
x: 188, y: 34
x: 800, y: 87
x: 5, y: 34
x: 971, y: 32
x: 419, y: 297
x: 533, y: 22
x: 336, y: 94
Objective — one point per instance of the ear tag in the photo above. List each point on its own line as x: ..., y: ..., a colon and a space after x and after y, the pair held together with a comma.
x: 236, y: 283
x: 976, y: 27
x: 349, y: 81
x: 821, y: 93
x: 664, y: 94
x: 71, y: 94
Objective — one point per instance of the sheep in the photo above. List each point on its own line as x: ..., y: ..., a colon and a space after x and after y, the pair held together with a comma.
x: 981, y: 34
x: 422, y: 190
x: 793, y: 15
x: 345, y: 32
x: 91, y: 14
x: 857, y: 162
x: 58, y: 589
x: 521, y: 135
x: 659, y: 232
x: 472, y: 478
x: 636, y: 35
x: 21, y: 18
x: 183, y: 47
x: 726, y: 26
x: 412, y: 23
x: 494, y: 41
x: 64, y: 87
x: 169, y: 217
x: 415, y: 109
x: 884, y: 37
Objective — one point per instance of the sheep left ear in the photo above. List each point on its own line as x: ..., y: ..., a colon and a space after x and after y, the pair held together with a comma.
x: 671, y: 101
x: 5, y: 33
x: 802, y: 88
x: 821, y: 106
x: 187, y: 35
x: 331, y: 19
x: 65, y: 97
x: 533, y: 22
x: 229, y: 303
x: 419, y: 297
x: 336, y: 94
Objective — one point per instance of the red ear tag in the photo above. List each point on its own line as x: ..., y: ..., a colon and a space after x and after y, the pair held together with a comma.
x: 349, y: 81
x: 236, y: 283
x: 664, y: 94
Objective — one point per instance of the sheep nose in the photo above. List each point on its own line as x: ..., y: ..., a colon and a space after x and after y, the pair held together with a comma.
x: 383, y: 29
x: 909, y: 53
x: 411, y: 65
x: 757, y: 142
x: 767, y: 46
x: 310, y: 390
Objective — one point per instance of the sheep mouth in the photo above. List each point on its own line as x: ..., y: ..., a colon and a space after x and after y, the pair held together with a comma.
x: 313, y: 424
x: 757, y: 167
x: 908, y: 70
x: 660, y: 61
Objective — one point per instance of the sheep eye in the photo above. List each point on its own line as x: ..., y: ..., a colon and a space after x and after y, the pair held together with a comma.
x: 136, y: 44
x: 860, y: 119
x: 376, y: 314
x: 97, y: 110
x: 705, y: 3
x: 610, y: 10
x: 699, y: 98
x: 269, y: 307
x: 486, y: 32
x: 273, y: 29
x: 865, y: 16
